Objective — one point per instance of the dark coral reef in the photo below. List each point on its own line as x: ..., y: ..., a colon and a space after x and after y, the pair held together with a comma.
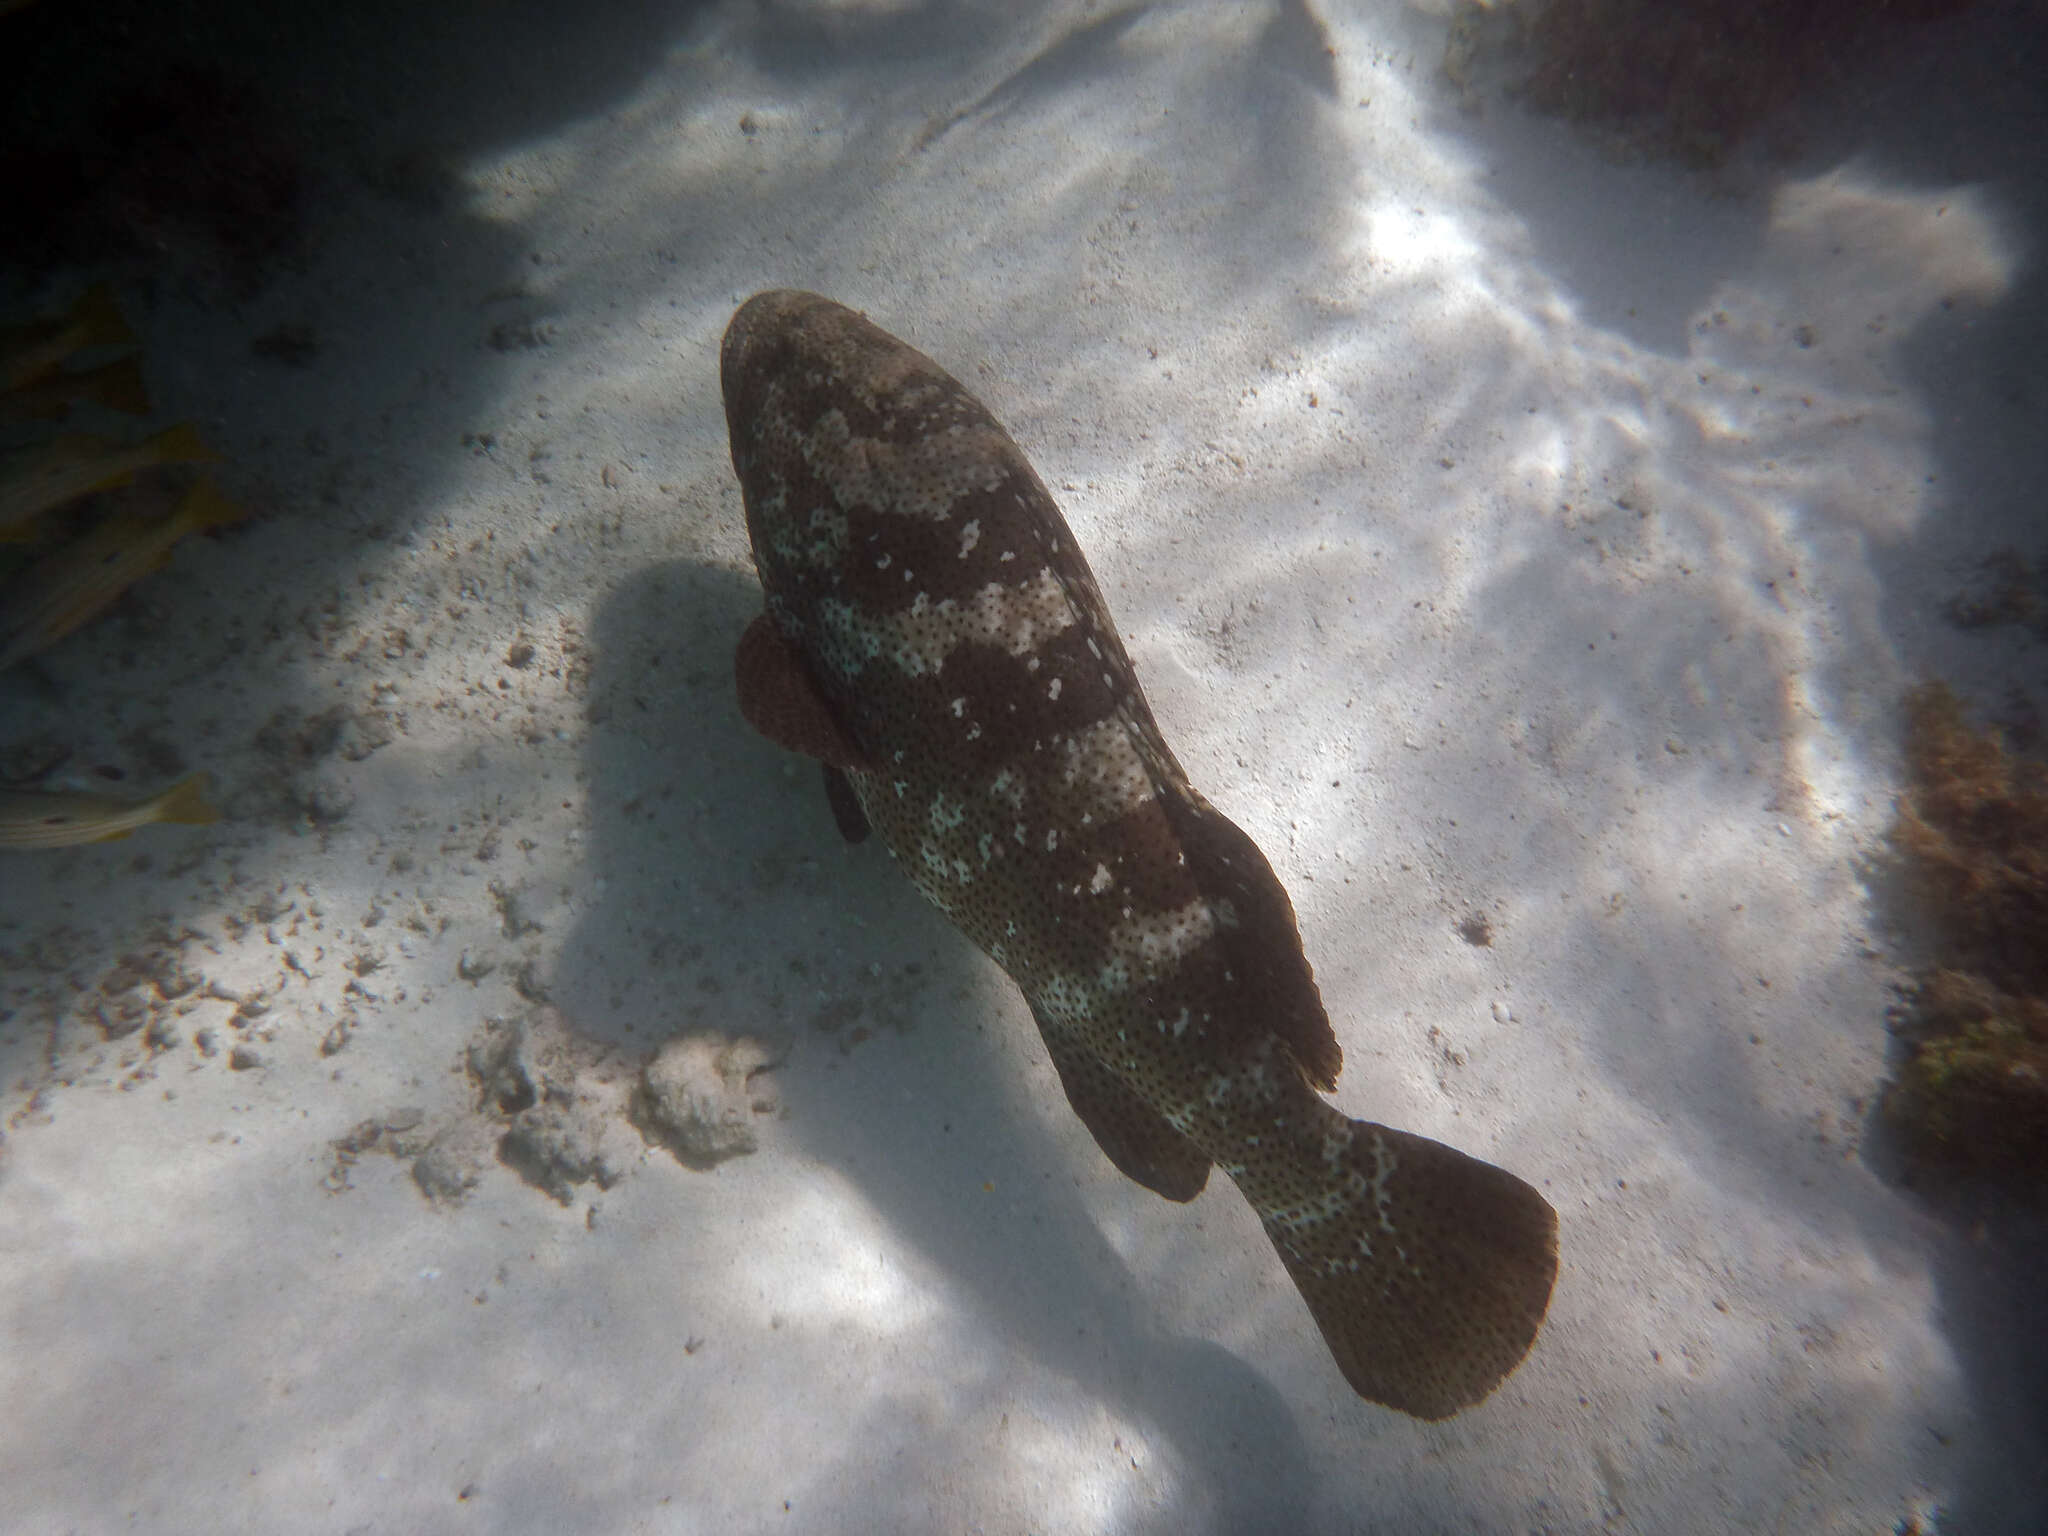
x: 1697, y: 76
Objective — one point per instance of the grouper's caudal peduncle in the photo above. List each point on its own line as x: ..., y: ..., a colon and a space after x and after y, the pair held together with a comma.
x: 933, y: 637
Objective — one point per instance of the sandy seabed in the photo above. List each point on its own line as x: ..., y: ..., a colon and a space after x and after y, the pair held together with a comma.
x: 1529, y: 545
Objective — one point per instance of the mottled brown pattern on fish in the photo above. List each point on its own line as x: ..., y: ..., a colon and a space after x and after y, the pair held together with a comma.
x: 939, y: 618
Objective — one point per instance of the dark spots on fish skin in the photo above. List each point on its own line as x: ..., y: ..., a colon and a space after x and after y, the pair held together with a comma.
x: 1010, y: 696
x: 1409, y: 1286
x: 1137, y: 851
x: 989, y: 683
x: 1264, y: 945
x: 883, y: 547
x: 1144, y: 1144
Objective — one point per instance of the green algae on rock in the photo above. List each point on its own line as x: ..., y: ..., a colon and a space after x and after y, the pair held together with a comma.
x: 1973, y: 826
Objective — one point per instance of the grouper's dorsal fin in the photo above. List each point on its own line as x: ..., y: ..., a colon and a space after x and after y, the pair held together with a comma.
x: 781, y: 700
x: 1130, y: 1132
x: 1265, y: 946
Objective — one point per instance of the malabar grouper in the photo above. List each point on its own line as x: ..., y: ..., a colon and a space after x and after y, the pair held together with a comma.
x: 935, y: 639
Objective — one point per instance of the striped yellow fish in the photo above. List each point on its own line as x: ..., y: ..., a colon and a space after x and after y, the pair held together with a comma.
x: 61, y: 818
x: 28, y: 352
x: 117, y: 386
x: 68, y: 467
x: 71, y: 585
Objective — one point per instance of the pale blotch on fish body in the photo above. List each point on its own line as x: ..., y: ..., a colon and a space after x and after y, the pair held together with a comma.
x: 934, y: 637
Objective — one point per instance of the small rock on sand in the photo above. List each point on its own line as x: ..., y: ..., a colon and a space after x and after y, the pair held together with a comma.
x: 699, y: 1095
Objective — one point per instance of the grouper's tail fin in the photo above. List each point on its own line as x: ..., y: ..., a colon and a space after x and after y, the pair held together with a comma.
x: 1428, y: 1271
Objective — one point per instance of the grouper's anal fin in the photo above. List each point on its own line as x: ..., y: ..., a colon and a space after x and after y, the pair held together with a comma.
x: 781, y: 700
x: 1132, y: 1134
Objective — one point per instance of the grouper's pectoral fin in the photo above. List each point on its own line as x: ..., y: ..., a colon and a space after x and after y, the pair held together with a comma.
x: 781, y: 700
x: 845, y: 804
x: 1135, y: 1136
